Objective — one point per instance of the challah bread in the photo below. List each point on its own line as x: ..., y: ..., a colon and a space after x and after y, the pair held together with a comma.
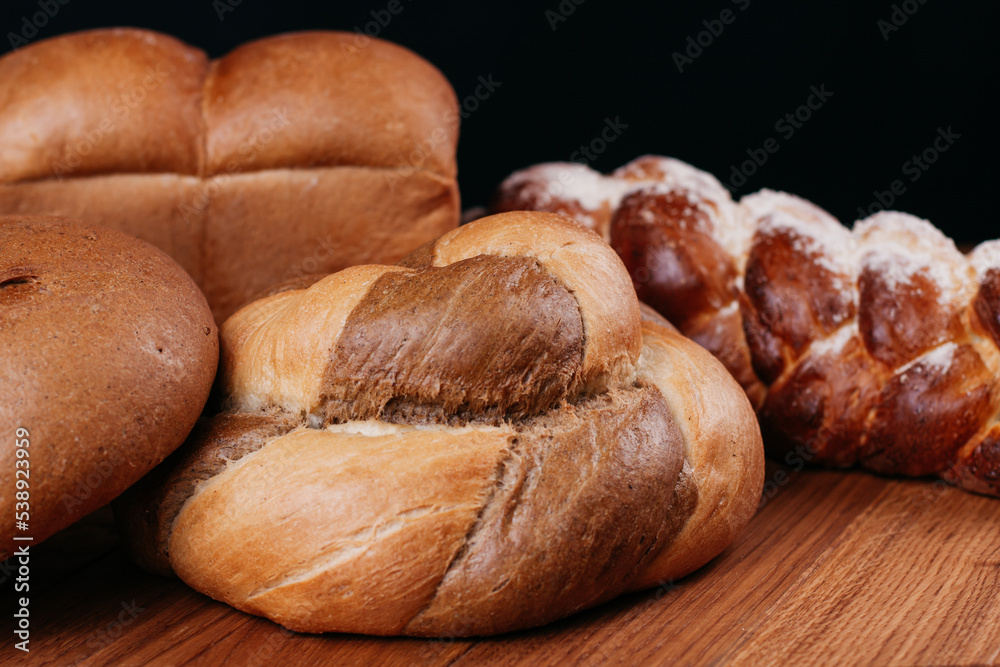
x: 875, y: 346
x: 107, y: 355
x: 483, y: 438
x: 295, y: 154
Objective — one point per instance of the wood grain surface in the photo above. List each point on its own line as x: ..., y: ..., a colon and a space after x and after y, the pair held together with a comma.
x: 837, y: 568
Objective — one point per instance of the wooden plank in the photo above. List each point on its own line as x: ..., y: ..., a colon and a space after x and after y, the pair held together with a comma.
x: 914, y: 580
x: 701, y: 617
x: 837, y: 567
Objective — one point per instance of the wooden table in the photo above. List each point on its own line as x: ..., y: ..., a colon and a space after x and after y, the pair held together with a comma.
x: 837, y: 568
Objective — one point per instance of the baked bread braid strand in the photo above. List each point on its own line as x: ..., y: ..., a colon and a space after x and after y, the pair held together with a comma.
x: 877, y: 346
x: 485, y: 438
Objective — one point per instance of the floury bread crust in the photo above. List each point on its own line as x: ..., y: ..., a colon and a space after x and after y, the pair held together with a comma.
x: 107, y: 355
x: 877, y: 346
x: 484, y: 438
x: 296, y: 154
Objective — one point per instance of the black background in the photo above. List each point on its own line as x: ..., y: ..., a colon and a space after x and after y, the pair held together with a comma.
x: 614, y: 60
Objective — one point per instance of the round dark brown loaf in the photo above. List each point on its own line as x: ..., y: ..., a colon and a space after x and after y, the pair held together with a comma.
x: 291, y: 155
x: 108, y: 351
x: 484, y: 438
x: 877, y: 346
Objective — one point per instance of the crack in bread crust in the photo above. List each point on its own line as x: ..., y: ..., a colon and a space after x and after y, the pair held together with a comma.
x: 148, y: 510
x: 470, y: 464
x: 552, y: 498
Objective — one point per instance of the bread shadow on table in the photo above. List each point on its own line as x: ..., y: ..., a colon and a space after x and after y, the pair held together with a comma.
x: 83, y: 568
x: 91, y: 602
x: 95, y: 597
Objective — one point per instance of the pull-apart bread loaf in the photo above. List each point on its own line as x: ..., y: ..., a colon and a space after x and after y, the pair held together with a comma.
x: 877, y: 346
x: 483, y: 438
x: 107, y: 355
x: 293, y: 155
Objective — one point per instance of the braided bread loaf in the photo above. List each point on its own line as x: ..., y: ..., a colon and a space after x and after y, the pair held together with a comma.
x: 481, y: 439
x: 875, y: 346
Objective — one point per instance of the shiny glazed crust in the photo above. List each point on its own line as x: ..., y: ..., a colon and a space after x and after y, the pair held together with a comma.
x: 877, y: 346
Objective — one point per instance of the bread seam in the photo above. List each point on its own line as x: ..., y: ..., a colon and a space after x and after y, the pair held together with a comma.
x: 201, y: 486
x: 208, y: 178
x: 477, y: 524
x: 202, y: 251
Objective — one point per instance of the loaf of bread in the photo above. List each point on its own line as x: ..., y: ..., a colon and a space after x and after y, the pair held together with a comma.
x: 107, y: 355
x: 293, y: 155
x: 483, y: 438
x: 877, y: 346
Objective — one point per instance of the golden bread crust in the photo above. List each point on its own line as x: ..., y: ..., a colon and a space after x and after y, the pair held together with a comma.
x: 291, y: 155
x: 877, y: 346
x: 454, y: 447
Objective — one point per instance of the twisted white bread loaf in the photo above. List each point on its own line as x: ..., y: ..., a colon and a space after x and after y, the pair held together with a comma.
x: 877, y: 346
x: 291, y: 155
x: 482, y: 439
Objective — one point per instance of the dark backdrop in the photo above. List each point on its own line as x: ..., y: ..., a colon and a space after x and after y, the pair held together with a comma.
x: 894, y: 77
